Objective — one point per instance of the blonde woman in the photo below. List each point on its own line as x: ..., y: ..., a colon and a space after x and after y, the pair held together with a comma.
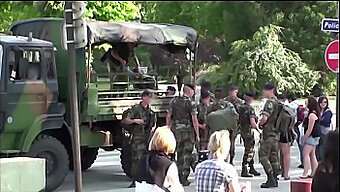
x: 214, y: 174
x: 156, y: 172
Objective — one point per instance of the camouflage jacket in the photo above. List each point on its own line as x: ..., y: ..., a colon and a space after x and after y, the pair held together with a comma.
x: 203, y: 111
x: 212, y: 97
x: 246, y: 112
x: 271, y: 110
x: 139, y: 112
x: 236, y: 102
x: 181, y: 109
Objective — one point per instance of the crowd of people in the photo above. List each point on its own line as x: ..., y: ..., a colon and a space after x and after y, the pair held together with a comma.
x: 163, y: 157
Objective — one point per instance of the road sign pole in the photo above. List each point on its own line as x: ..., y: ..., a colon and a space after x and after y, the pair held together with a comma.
x: 72, y: 82
x: 337, y: 102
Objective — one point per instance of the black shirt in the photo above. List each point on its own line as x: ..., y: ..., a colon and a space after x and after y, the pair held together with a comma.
x: 123, y: 51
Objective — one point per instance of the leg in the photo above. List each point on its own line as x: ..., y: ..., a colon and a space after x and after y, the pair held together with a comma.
x: 264, y: 155
x: 286, y: 159
x: 137, y: 151
x: 297, y: 131
x: 251, y: 156
x: 314, y: 162
x: 232, y: 137
x: 307, y: 149
x: 179, y: 151
x: 188, y: 156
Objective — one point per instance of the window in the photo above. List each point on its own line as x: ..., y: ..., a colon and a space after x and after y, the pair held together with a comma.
x: 24, y: 64
x: 50, y: 67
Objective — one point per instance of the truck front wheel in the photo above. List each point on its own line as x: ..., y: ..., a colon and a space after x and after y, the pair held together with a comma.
x: 88, y: 157
x: 56, y: 156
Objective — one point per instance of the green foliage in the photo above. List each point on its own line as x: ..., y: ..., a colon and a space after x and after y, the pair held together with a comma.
x: 264, y: 59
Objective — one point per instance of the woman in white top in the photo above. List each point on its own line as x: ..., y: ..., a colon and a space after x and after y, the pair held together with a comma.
x: 214, y: 174
x: 156, y: 172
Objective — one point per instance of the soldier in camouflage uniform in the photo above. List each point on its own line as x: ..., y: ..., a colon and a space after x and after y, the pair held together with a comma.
x: 182, y: 118
x: 268, y: 152
x: 237, y: 102
x: 203, y: 110
x: 220, y: 102
x: 248, y: 121
x: 205, y: 87
x: 144, y: 121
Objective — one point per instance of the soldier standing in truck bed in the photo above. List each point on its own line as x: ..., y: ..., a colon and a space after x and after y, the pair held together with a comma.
x: 182, y: 118
x: 248, y: 122
x: 269, y: 143
x: 144, y: 121
x: 237, y: 102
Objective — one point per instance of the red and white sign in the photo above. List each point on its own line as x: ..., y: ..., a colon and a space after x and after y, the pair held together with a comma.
x: 332, y: 56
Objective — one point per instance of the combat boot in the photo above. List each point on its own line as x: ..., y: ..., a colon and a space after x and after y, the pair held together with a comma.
x: 253, y: 171
x: 271, y: 181
x: 244, y: 172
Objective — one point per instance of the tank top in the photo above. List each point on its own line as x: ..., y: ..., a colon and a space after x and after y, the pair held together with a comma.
x: 316, y: 132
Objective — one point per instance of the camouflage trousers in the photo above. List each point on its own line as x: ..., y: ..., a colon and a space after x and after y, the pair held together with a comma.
x: 138, y: 149
x: 268, y: 155
x: 249, y: 151
x: 185, y: 158
x: 232, y: 136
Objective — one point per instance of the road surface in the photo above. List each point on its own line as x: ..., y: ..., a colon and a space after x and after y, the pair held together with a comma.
x: 106, y: 174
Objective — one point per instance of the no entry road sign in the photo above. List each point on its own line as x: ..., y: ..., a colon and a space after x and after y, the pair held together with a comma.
x: 332, y: 56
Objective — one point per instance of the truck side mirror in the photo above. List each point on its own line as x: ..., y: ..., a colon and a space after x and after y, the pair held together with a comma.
x: 23, y: 66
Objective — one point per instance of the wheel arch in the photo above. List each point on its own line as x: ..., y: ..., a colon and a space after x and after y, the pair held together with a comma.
x: 53, y: 125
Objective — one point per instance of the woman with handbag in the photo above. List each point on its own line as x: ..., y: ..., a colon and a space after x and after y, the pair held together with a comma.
x: 311, y: 137
x: 325, y: 124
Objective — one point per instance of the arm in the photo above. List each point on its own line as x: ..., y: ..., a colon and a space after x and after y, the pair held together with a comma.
x: 173, y: 179
x: 266, y: 112
x: 326, y: 119
x: 168, y: 119
x: 263, y: 119
x: 115, y: 55
x: 196, y: 125
x: 232, y: 181
x: 130, y: 121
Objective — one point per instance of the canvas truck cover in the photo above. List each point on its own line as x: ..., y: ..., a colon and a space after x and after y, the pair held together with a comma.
x: 223, y: 119
x: 99, y: 32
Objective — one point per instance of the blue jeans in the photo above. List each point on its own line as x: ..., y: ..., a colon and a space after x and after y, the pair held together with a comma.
x: 296, y: 129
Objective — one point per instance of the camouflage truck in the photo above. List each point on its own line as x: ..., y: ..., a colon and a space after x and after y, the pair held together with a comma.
x: 35, y: 110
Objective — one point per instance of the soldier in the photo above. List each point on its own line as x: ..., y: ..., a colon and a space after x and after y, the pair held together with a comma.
x: 144, y: 120
x: 237, y: 102
x: 182, y: 118
x: 248, y: 121
x: 205, y: 87
x: 268, y: 152
x: 203, y: 110
x: 171, y: 91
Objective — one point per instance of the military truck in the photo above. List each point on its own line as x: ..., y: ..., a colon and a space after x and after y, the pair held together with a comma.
x: 34, y: 103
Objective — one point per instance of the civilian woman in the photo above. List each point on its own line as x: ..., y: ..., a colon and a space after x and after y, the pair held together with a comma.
x: 156, y: 172
x: 214, y: 174
x: 326, y: 177
x: 311, y: 137
x: 325, y: 124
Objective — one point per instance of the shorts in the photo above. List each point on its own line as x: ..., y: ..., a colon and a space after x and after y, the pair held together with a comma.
x: 313, y: 141
x: 286, y: 137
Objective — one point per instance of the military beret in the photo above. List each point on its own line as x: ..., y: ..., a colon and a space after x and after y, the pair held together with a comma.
x: 191, y: 86
x: 219, y: 89
x: 205, y: 84
x: 233, y: 88
x: 171, y: 88
x: 205, y: 95
x: 147, y: 93
x: 248, y: 94
x: 281, y: 96
x: 269, y: 86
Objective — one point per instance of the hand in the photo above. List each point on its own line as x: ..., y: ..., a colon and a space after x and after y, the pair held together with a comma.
x: 295, y: 135
x: 123, y: 62
x: 303, y: 140
x: 138, y: 121
x: 198, y: 138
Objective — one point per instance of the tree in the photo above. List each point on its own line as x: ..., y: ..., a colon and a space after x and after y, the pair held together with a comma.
x: 254, y: 62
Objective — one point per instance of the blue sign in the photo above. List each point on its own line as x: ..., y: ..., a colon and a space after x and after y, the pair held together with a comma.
x: 331, y: 25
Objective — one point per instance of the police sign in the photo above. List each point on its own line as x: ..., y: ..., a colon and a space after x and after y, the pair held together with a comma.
x: 331, y: 25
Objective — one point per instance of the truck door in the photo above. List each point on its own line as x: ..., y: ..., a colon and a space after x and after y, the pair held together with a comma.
x: 26, y: 89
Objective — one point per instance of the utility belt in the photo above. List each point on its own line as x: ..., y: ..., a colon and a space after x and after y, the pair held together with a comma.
x: 182, y: 125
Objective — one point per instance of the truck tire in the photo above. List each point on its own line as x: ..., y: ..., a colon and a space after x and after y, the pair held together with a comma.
x: 125, y: 160
x: 88, y: 157
x: 56, y: 156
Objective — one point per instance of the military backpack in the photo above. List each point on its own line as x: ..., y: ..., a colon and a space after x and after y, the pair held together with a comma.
x: 286, y: 119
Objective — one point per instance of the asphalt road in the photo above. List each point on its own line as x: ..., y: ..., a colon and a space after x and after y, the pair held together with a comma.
x: 106, y: 174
